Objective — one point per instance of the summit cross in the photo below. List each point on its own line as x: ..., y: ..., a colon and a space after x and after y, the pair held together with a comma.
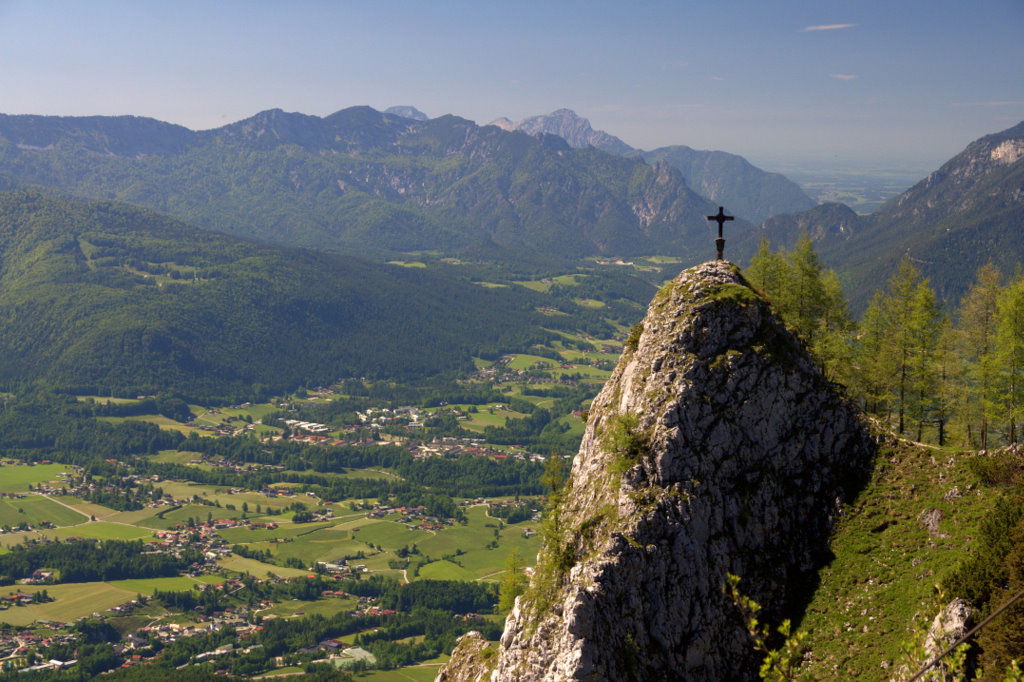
x: 721, y: 218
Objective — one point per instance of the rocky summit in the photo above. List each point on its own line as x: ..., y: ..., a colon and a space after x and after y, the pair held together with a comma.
x: 716, y: 447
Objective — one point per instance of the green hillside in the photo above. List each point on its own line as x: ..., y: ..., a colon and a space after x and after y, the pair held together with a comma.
x: 962, y: 216
x: 368, y: 183
x: 102, y: 297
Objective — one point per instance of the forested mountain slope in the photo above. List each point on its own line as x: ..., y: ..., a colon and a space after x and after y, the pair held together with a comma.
x: 368, y: 182
x: 967, y: 213
x: 731, y: 180
x: 104, y: 297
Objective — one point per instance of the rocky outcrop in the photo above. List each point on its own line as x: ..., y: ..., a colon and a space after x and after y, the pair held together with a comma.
x: 716, y: 447
x: 570, y: 126
x: 407, y: 112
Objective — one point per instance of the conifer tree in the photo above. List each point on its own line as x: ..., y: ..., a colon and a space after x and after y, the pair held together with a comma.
x: 514, y: 582
x: 977, y: 329
x: 924, y: 327
x: 832, y: 341
x: 769, y: 272
x: 899, y: 310
x: 896, y: 348
x: 874, y: 367
x: 809, y: 300
x: 807, y: 297
x: 1009, y: 355
x: 949, y: 380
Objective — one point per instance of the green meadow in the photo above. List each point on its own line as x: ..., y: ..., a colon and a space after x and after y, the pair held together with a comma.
x: 16, y: 478
x: 101, y: 530
x: 35, y: 509
x: 75, y: 600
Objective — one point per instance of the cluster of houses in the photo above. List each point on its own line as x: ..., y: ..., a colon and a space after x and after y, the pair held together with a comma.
x: 17, y: 648
x: 238, y: 467
x: 415, y: 518
x: 385, y: 416
x: 16, y: 599
x: 308, y: 427
x: 452, y: 446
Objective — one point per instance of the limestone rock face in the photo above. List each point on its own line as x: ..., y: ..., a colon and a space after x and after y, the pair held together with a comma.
x: 717, y: 446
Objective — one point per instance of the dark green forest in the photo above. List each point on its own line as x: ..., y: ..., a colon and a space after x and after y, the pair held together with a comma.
x: 102, y: 298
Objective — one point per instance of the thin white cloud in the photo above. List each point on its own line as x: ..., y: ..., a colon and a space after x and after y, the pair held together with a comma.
x: 717, y: 78
x: 826, y: 27
x: 842, y: 76
x: 993, y: 103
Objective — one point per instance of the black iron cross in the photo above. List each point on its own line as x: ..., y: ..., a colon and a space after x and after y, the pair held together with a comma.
x: 721, y: 218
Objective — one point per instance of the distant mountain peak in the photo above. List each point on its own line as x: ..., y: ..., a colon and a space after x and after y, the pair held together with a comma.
x: 407, y: 112
x: 503, y: 123
x: 570, y: 126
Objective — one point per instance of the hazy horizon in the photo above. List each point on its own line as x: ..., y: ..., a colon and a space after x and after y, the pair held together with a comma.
x: 868, y: 85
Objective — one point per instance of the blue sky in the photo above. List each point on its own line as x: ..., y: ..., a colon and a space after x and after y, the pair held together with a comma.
x: 899, y: 83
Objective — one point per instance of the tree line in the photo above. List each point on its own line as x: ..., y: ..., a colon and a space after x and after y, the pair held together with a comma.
x: 932, y: 371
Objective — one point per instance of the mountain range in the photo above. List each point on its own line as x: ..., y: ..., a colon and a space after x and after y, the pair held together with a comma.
x: 377, y: 184
x: 723, y: 178
x: 370, y: 183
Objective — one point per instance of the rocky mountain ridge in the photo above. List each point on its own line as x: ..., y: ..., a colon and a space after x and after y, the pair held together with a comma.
x: 571, y: 127
x: 716, y: 447
x: 407, y: 112
x: 723, y: 178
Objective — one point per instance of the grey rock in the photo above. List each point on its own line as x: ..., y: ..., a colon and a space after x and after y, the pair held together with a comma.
x: 739, y: 452
x: 568, y: 125
x: 407, y: 112
x: 930, y: 519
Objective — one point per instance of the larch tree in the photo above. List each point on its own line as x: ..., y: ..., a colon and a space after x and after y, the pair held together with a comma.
x: 514, y: 582
x: 807, y: 297
x: 899, y: 331
x: 949, y: 393
x: 769, y: 272
x: 873, y: 365
x: 976, y: 330
x: 924, y: 327
x: 1009, y: 355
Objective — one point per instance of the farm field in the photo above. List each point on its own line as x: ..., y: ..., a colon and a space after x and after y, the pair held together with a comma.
x: 104, y: 400
x: 321, y: 607
x: 35, y: 509
x: 524, y: 361
x: 16, y: 478
x: 289, y: 530
x: 214, y: 494
x: 171, y: 517
x: 176, y: 457
x: 100, y: 530
x: 74, y: 600
x: 258, y: 568
x: 544, y: 285
x: 219, y: 415
x: 163, y: 422
x: 85, y: 507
